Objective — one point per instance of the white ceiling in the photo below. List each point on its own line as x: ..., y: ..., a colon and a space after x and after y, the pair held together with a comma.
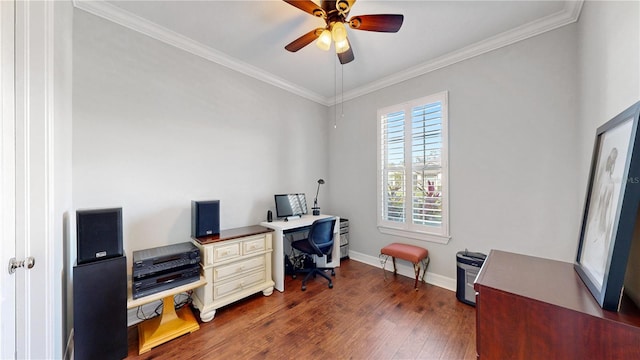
x: 249, y: 36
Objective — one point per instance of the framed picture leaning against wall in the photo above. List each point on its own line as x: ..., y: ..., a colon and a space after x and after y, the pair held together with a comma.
x: 611, y: 208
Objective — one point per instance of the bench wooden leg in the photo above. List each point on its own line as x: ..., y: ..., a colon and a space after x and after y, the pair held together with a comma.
x: 425, y: 263
x: 383, y: 261
x: 416, y: 269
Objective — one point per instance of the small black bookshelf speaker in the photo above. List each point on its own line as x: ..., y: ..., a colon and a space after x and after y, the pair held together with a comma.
x: 99, y: 234
x: 205, y: 218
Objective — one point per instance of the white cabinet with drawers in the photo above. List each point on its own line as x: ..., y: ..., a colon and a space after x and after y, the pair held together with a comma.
x: 236, y: 264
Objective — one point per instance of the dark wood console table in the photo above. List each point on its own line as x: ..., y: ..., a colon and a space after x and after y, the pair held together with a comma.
x: 533, y: 308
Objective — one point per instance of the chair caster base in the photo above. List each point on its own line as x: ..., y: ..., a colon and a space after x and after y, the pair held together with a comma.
x: 330, y: 285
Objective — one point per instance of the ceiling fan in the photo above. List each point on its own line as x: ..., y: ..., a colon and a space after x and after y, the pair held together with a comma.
x: 335, y: 15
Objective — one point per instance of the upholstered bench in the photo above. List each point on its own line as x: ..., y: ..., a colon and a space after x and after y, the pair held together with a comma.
x: 414, y: 254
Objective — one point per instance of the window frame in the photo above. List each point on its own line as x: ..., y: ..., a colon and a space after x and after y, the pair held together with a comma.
x: 407, y: 228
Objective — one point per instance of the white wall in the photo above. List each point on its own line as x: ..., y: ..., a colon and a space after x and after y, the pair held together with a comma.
x: 609, y: 63
x: 156, y: 127
x: 513, y: 151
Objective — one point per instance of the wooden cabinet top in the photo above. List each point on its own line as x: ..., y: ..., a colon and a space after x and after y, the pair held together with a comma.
x: 235, y: 233
x: 549, y: 281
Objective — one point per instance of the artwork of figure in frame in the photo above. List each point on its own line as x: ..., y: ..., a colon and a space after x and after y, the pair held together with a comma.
x: 611, y: 208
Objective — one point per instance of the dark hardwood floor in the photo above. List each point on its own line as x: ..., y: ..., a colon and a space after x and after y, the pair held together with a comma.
x: 362, y: 317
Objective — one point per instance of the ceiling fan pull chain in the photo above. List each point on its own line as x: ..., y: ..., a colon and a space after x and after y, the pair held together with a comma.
x: 342, y: 90
x: 335, y: 95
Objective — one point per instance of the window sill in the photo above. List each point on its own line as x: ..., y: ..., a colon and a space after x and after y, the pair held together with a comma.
x: 440, y: 239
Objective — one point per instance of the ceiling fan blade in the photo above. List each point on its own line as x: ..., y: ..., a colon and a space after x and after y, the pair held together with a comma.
x: 304, y: 40
x: 347, y: 56
x: 380, y: 23
x: 307, y: 6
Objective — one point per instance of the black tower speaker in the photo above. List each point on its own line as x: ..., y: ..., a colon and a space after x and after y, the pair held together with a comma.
x: 205, y: 218
x: 100, y: 309
x: 99, y: 234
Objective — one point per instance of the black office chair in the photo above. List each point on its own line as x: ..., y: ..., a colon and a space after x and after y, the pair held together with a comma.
x: 319, y: 242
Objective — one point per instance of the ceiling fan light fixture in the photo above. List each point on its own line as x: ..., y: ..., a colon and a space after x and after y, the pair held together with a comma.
x: 339, y: 32
x: 342, y: 6
x: 342, y: 46
x: 324, y: 40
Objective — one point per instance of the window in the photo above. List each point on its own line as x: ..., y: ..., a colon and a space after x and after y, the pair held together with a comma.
x: 413, y: 169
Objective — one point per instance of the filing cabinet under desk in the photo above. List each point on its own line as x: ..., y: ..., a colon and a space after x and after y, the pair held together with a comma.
x: 236, y: 264
x: 344, y: 238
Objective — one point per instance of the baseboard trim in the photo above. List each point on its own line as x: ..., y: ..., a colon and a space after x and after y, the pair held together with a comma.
x: 405, y: 269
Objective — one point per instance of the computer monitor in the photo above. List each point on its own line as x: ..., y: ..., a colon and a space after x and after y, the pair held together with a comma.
x: 290, y: 205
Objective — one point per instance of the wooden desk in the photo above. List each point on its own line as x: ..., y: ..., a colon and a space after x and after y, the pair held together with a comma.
x: 281, y: 226
x: 171, y: 323
x: 534, y: 308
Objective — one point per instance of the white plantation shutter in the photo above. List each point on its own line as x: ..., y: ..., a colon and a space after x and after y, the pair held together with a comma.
x: 413, y: 169
x: 394, y: 169
x: 426, y: 155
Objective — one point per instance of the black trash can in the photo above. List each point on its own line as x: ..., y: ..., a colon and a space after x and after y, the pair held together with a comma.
x: 468, y: 265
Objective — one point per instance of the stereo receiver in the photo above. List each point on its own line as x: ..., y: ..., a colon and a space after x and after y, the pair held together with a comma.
x: 155, y: 284
x: 165, y: 258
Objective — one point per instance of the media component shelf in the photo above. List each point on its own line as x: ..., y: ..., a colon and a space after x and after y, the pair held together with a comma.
x: 171, y: 323
x: 236, y: 264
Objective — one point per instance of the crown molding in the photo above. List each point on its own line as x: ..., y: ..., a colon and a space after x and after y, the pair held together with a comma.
x: 569, y: 14
x: 122, y: 17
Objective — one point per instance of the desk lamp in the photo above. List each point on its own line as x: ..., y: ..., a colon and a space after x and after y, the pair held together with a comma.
x: 316, y: 208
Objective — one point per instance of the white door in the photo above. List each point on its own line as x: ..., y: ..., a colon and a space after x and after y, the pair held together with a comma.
x: 26, y: 300
x: 7, y: 181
